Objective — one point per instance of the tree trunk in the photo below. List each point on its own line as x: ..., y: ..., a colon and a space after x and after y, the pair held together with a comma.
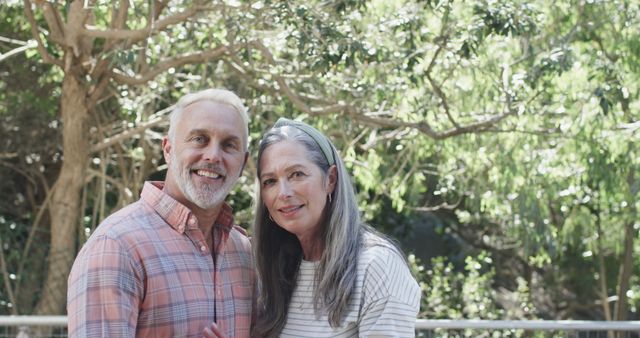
x: 622, y: 306
x: 626, y: 266
x: 624, y: 276
x: 65, y: 202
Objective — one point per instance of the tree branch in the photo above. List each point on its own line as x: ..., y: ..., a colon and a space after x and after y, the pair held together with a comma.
x: 135, y: 36
x: 119, y: 17
x: 46, y: 57
x: 30, y: 45
x: 168, y: 63
x: 77, y: 16
x: 118, y: 20
x: 14, y: 41
x: 349, y: 110
x: 103, y: 176
x: 443, y: 205
x: 443, y: 100
x: 95, y: 92
x: 286, y: 90
x: 159, y: 7
x: 54, y: 20
x: 425, y: 128
x: 32, y: 232
x: 7, y: 280
x: 8, y: 155
x: 108, y: 142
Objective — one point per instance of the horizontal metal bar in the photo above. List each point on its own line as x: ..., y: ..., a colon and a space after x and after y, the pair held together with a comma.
x: 565, y: 325
x: 421, y: 324
x: 33, y: 320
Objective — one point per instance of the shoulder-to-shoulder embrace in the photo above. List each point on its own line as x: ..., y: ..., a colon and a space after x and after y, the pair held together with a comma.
x: 195, y: 273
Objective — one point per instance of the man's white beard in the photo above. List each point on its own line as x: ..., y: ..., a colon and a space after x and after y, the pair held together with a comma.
x: 204, y: 195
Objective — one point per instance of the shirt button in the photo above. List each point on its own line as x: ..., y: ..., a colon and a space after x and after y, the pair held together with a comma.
x: 181, y: 228
x: 192, y: 221
x: 203, y: 248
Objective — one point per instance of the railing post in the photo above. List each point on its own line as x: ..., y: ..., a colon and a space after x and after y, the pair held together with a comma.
x: 23, y: 332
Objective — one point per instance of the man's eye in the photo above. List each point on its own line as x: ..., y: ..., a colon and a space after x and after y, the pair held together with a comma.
x: 231, y: 145
x: 198, y: 139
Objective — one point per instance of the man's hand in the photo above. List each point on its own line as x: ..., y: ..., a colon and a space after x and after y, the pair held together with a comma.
x: 213, y: 332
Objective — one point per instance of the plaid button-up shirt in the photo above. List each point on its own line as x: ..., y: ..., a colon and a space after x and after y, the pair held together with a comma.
x: 147, y: 272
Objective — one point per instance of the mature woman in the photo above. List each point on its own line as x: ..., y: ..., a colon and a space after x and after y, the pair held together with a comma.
x: 324, y: 273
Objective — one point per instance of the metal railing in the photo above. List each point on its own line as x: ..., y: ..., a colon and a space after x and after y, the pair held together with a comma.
x: 56, y: 326
x: 33, y: 326
x: 450, y: 328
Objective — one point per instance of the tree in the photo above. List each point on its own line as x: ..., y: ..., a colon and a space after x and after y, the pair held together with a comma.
x: 88, y: 42
x: 28, y: 159
x: 462, y: 111
x: 98, y: 47
x: 554, y: 195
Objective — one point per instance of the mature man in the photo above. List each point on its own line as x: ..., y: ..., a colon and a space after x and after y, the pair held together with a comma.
x: 173, y: 262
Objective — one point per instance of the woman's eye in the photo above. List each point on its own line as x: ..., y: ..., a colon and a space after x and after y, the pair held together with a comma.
x: 268, y: 182
x: 297, y: 174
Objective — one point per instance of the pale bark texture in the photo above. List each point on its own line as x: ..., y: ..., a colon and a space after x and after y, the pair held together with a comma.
x: 65, y: 202
x: 64, y: 206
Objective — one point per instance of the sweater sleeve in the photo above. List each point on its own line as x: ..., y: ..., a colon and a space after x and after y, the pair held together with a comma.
x: 391, y: 296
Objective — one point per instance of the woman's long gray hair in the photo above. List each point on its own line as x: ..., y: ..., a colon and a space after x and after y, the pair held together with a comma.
x: 278, y: 252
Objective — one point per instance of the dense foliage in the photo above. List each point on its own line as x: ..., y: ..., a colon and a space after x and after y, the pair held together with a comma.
x: 499, y: 138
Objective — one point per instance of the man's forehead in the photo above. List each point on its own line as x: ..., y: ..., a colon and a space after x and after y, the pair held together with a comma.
x: 198, y: 115
x: 214, y: 107
x: 208, y: 104
x: 213, y: 130
x: 222, y: 130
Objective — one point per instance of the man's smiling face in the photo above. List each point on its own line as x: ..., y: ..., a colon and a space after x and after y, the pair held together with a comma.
x: 206, y: 155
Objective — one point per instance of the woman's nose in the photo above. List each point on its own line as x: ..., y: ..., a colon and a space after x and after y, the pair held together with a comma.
x: 285, y: 189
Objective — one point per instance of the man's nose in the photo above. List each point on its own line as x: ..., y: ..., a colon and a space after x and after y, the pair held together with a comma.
x: 213, y: 153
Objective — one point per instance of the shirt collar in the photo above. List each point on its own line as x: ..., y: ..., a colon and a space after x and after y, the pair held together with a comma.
x: 176, y: 214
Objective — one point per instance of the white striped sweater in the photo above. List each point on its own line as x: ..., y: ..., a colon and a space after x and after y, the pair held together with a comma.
x: 385, y: 302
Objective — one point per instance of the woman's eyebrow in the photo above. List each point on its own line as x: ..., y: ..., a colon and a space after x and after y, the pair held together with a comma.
x: 286, y: 170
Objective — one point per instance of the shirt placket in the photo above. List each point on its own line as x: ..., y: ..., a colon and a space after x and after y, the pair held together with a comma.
x: 197, y: 239
x: 194, y: 233
x: 216, y: 256
x: 219, y: 245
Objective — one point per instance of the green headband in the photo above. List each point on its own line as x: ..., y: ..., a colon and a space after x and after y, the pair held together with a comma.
x: 320, y: 139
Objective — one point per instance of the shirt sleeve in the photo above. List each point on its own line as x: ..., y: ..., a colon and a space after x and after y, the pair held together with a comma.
x: 391, y: 297
x: 104, y: 291
x: 254, y: 303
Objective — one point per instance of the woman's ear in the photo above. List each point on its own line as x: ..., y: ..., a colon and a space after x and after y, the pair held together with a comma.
x: 332, y: 179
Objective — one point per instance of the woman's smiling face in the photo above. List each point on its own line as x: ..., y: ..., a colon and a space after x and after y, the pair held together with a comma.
x: 294, y: 189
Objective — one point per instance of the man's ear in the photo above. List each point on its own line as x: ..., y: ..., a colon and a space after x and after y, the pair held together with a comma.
x: 332, y: 178
x: 166, y: 149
